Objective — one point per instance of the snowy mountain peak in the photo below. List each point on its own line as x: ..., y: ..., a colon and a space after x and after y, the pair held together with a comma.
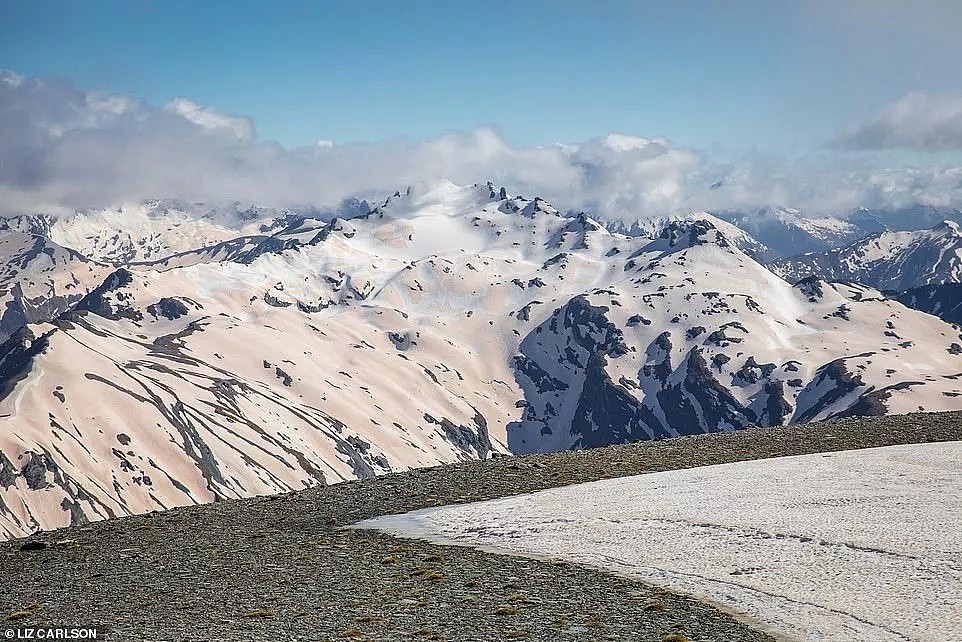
x: 653, y: 227
x: 951, y: 228
x: 40, y: 279
x: 887, y: 261
x: 693, y: 232
x: 787, y: 232
x: 439, y: 198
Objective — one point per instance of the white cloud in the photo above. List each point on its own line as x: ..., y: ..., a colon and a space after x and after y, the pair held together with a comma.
x: 116, y: 105
x: 212, y: 120
x: 831, y: 185
x: 918, y: 121
x: 62, y: 149
x: 8, y: 77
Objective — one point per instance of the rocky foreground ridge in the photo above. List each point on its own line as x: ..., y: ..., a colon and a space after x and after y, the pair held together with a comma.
x: 282, y: 567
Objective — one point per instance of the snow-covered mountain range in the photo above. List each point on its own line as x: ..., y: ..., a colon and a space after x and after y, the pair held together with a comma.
x: 40, y: 279
x: 888, y: 261
x: 787, y: 232
x: 180, y: 359
x: 904, y: 219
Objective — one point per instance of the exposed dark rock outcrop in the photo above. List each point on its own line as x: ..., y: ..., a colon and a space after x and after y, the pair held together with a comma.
x: 16, y: 357
x: 167, y: 307
x: 572, y: 402
x: 114, y: 307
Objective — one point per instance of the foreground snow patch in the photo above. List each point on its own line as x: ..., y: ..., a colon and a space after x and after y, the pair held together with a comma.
x: 855, y: 545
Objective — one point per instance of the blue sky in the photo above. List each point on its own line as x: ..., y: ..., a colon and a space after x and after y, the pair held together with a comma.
x: 824, y: 105
x: 779, y: 76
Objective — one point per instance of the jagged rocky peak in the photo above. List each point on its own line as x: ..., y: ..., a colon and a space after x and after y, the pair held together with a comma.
x: 494, y: 193
x: 537, y: 206
x: 576, y: 233
x: 392, y: 200
x: 109, y: 300
x: 652, y: 227
x: 529, y: 208
x: 691, y: 233
x: 584, y: 223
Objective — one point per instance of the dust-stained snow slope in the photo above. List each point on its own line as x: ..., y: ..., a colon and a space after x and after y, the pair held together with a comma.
x: 443, y: 324
x: 855, y: 545
x: 329, y: 351
x: 188, y: 399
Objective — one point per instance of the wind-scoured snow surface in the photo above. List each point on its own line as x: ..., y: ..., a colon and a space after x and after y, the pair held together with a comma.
x: 857, y: 545
x: 192, y: 360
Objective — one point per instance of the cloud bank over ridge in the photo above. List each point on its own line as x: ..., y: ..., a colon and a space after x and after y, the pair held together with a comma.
x: 63, y: 148
x: 930, y: 122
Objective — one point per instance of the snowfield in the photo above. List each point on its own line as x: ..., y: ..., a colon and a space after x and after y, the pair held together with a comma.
x: 855, y: 545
